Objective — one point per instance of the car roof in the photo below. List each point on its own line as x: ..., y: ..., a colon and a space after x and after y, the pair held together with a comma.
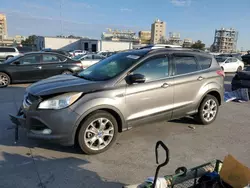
x: 42, y: 52
x: 7, y: 47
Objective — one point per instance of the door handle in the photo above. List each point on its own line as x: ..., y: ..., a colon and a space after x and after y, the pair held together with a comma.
x: 200, y: 78
x: 38, y: 67
x: 59, y: 66
x: 165, y: 85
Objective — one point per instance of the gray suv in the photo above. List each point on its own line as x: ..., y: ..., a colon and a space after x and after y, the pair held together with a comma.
x: 8, y: 52
x: 124, y: 90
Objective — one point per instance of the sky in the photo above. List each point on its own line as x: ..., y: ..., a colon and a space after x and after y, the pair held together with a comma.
x: 196, y: 19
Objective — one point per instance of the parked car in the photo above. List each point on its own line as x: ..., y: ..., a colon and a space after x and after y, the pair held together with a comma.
x: 236, y: 55
x: 246, y: 58
x: 241, y: 80
x: 8, y: 52
x: 106, y: 54
x: 24, y: 49
x: 63, y: 52
x: 35, y: 66
x: 120, y: 92
x: 157, y: 46
x: 77, y: 52
x: 88, y: 59
x: 230, y: 64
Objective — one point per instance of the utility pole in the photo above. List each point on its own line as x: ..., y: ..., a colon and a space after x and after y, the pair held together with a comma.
x: 61, y: 4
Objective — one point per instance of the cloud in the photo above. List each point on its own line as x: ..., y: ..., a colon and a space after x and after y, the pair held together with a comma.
x: 181, y: 3
x: 125, y: 10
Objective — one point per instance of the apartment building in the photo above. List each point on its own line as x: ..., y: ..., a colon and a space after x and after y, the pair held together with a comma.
x: 3, y: 27
x: 145, y: 37
x: 225, y: 40
x: 158, y: 32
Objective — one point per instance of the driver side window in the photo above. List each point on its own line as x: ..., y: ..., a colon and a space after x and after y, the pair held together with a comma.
x: 154, y: 68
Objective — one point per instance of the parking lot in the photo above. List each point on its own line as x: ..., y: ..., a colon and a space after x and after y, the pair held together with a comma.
x: 33, y: 163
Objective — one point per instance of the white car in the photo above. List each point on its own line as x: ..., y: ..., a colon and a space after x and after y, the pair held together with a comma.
x: 77, y: 52
x: 88, y: 59
x: 230, y: 64
x: 157, y: 46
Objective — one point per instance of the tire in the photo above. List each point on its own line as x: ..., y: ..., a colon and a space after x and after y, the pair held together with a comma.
x: 67, y: 72
x: 239, y: 69
x: 91, y: 135
x: 200, y: 117
x: 4, y: 80
x: 8, y: 57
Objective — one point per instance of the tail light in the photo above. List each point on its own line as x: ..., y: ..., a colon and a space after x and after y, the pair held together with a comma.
x: 79, y: 64
x: 220, y: 72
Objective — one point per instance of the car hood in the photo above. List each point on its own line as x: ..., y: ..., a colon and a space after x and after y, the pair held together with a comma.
x: 62, y: 84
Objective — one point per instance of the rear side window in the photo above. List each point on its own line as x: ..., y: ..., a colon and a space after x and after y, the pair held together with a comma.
x: 7, y: 50
x: 185, y: 64
x: 205, y: 62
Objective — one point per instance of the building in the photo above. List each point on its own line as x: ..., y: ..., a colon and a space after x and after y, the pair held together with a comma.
x: 3, y: 27
x: 158, y: 31
x: 145, y: 37
x: 91, y: 45
x: 120, y: 35
x: 187, y: 43
x: 175, y: 38
x: 225, y: 40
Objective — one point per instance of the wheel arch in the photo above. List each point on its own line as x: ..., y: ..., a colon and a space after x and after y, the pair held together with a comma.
x: 214, y: 93
x: 112, y: 110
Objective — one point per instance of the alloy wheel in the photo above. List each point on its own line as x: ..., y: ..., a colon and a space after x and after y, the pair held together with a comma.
x: 99, y: 134
x: 209, y: 110
x: 3, y: 80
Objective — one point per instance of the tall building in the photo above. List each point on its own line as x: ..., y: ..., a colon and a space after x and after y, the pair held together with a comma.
x: 175, y: 38
x: 3, y: 27
x: 158, y: 31
x: 225, y: 40
x: 145, y: 37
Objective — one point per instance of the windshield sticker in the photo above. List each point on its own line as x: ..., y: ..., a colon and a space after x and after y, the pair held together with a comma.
x: 133, y: 56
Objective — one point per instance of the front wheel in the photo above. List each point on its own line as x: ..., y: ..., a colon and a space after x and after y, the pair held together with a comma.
x: 208, y: 110
x: 97, y: 133
x: 4, y: 80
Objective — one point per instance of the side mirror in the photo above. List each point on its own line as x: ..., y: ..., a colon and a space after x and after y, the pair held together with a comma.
x: 16, y: 63
x: 135, y: 78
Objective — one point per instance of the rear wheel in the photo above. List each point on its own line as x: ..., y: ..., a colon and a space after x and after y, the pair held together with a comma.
x: 4, y: 80
x: 9, y: 57
x: 208, y: 110
x: 239, y: 69
x: 98, y: 132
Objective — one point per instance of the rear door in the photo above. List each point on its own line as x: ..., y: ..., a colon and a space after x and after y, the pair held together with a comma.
x: 53, y: 64
x: 29, y: 69
x: 188, y: 80
x: 2, y: 53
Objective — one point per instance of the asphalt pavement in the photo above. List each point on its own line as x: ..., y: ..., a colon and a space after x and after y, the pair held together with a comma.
x: 33, y: 163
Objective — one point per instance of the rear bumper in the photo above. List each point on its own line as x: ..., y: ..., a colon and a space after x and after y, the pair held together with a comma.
x: 52, y: 125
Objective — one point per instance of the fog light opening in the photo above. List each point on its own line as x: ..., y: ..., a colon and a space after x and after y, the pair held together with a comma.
x: 44, y: 131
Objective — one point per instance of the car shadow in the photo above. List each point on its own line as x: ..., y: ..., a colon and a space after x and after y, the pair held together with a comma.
x: 32, y: 170
x: 185, y: 120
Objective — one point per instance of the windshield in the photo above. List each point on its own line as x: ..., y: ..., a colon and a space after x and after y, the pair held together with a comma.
x: 220, y: 59
x: 109, y: 67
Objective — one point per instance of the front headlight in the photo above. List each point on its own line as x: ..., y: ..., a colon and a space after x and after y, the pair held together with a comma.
x: 61, y: 101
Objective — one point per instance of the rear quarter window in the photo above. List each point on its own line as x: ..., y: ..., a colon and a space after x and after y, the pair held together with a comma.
x: 7, y: 50
x: 205, y: 62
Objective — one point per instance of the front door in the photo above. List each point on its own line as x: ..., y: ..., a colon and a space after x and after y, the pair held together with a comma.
x: 154, y: 98
x: 52, y: 65
x: 29, y: 68
x: 188, y: 80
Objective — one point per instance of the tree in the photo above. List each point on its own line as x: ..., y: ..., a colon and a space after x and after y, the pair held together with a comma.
x: 30, y: 41
x: 198, y: 45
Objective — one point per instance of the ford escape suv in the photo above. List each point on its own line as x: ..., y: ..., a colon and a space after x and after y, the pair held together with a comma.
x: 124, y: 90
